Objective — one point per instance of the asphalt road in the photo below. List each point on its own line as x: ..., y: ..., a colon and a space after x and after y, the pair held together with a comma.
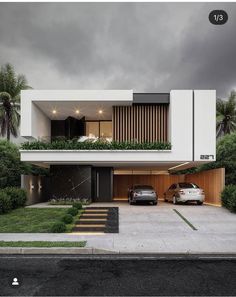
x: 118, y: 276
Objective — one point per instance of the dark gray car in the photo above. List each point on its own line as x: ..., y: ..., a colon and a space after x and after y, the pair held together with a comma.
x: 142, y: 193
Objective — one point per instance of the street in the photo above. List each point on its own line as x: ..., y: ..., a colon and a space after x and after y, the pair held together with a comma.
x: 117, y: 275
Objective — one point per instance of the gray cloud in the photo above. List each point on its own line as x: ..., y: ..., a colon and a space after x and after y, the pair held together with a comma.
x: 141, y: 46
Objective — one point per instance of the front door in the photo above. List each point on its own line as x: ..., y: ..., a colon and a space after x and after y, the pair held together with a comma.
x: 103, y: 184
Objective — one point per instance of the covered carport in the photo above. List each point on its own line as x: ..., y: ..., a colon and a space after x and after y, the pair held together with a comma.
x: 212, y: 181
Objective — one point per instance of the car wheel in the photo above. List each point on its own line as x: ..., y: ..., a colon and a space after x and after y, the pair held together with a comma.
x: 174, y: 200
x: 199, y: 202
x: 154, y: 203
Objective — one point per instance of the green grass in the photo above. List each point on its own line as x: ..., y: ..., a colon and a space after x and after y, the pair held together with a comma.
x: 49, y: 244
x: 32, y: 220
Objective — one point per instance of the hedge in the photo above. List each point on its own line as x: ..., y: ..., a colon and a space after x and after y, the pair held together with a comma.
x: 5, y: 203
x: 58, y: 227
x: 17, y: 196
x: 73, y: 211
x: 97, y: 145
x: 228, y: 197
x: 12, y: 198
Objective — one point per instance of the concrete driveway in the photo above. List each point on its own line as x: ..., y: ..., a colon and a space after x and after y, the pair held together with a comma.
x: 161, y: 229
x: 165, y: 228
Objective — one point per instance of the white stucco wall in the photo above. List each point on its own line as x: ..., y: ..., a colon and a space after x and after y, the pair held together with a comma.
x: 41, y: 124
x: 181, y: 124
x: 204, y: 125
x: 34, y: 123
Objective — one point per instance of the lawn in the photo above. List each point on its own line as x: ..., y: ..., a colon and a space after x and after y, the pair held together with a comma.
x: 32, y: 220
x: 48, y: 244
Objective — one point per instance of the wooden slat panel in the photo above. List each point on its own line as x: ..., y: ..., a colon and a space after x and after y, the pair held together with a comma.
x: 159, y: 182
x: 140, y: 123
x: 212, y: 181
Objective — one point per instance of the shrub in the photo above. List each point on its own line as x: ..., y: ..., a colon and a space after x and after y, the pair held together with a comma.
x: 77, y: 205
x: 72, y: 211
x: 58, y: 227
x: 5, y: 202
x: 67, y: 219
x: 11, y: 167
x: 17, y: 196
x: 228, y: 197
x: 97, y: 145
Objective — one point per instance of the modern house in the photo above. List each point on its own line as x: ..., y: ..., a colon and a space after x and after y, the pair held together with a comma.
x: 183, y: 121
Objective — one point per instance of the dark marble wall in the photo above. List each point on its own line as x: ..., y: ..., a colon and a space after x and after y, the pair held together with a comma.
x: 71, y: 181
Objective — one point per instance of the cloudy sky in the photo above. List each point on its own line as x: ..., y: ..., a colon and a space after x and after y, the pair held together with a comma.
x: 152, y: 47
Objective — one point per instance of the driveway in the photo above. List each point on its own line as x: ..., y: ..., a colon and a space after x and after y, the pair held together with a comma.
x: 165, y: 228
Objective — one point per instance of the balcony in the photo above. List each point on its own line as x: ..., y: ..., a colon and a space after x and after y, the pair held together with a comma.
x: 100, y: 152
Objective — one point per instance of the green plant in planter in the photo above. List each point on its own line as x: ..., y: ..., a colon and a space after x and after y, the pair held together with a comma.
x: 97, y: 145
x: 72, y: 211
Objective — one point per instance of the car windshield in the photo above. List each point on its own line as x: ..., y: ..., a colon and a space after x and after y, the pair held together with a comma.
x: 188, y: 186
x: 143, y: 187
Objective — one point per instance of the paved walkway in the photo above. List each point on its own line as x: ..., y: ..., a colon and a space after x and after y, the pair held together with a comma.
x: 159, y: 229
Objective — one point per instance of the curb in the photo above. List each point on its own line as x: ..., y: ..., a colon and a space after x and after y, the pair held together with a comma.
x: 118, y: 254
x: 55, y: 251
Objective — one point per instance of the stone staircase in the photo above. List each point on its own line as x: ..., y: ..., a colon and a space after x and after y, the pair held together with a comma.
x: 92, y: 220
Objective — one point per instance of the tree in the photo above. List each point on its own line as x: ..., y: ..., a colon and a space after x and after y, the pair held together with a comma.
x: 11, y: 85
x: 225, y: 157
x: 226, y: 115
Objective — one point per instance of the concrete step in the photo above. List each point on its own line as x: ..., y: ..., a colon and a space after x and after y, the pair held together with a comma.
x: 93, y: 222
x: 94, y: 215
x: 88, y: 229
x: 96, y: 208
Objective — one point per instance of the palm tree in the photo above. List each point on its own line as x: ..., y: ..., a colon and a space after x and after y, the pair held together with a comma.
x: 10, y: 88
x: 226, y: 115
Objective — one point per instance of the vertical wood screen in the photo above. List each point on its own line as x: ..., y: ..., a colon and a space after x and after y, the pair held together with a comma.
x: 212, y: 181
x: 140, y: 123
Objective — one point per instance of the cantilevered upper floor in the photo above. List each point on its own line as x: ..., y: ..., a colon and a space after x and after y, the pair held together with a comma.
x: 183, y: 118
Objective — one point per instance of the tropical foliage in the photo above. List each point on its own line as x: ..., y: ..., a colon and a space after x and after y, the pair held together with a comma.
x: 11, y: 85
x: 228, y: 197
x: 98, y: 145
x: 225, y: 157
x: 11, y: 167
x: 226, y: 115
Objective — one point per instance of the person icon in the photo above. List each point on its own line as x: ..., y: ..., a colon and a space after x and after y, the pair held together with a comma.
x: 15, y: 282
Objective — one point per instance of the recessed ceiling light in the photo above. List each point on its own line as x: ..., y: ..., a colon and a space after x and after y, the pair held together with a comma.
x: 100, y: 111
x: 77, y: 111
x: 54, y: 111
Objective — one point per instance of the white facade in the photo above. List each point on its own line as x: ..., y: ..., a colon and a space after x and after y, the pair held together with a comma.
x: 192, y: 133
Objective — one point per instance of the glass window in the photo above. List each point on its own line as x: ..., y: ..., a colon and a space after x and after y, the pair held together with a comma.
x: 92, y: 129
x: 187, y: 186
x: 106, y: 129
